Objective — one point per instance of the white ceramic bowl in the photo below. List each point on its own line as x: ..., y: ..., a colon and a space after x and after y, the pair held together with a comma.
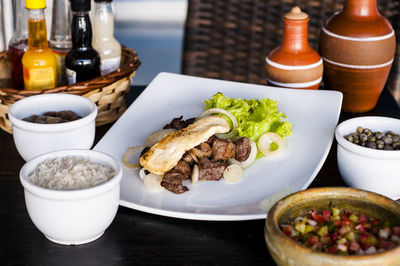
x: 32, y: 139
x: 72, y: 217
x: 366, y: 168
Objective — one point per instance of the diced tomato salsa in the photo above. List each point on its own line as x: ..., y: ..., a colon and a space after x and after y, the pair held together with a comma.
x: 342, y: 232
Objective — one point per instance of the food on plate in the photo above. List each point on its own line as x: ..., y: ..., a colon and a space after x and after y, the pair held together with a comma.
x: 70, y: 173
x: 164, y: 155
x: 342, y: 232
x: 233, y: 173
x: 375, y: 140
x: 270, y: 143
x: 205, y: 161
x: 219, y: 143
x: 52, y: 117
x: 254, y: 117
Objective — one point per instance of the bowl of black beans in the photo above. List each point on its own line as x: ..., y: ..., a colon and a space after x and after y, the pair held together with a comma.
x: 52, y: 121
x: 368, y: 154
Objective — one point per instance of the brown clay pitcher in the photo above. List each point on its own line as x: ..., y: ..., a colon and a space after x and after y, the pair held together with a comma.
x: 294, y: 64
x: 357, y: 46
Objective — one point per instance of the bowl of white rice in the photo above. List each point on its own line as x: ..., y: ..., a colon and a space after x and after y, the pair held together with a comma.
x: 72, y: 196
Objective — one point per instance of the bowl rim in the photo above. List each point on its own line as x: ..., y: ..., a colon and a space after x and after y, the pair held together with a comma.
x: 54, y: 194
x: 43, y: 128
x: 357, y: 193
x: 364, y: 151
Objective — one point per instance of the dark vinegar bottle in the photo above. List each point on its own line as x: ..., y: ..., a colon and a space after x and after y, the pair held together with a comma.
x: 82, y: 61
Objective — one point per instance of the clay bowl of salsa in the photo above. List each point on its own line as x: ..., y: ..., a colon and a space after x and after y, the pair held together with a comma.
x: 334, y: 226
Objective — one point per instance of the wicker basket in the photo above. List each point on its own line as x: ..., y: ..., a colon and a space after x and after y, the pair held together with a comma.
x: 107, y: 92
x: 229, y: 39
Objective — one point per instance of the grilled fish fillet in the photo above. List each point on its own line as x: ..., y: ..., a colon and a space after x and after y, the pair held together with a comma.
x: 164, y: 155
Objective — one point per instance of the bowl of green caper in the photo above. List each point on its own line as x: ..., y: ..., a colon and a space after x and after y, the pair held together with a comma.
x: 368, y: 154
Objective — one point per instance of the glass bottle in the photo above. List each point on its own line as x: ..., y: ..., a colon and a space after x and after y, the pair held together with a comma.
x: 103, y: 37
x: 18, y: 44
x: 39, y: 62
x: 60, y: 36
x: 82, y: 61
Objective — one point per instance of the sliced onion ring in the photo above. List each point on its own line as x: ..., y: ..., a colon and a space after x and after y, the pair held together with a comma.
x: 267, y: 140
x: 153, y: 182
x: 252, y: 157
x: 233, y: 173
x: 228, y: 135
x: 195, y: 174
x: 196, y: 154
x: 193, y: 153
x: 142, y: 173
x: 129, y: 152
x: 158, y: 135
x: 212, y: 111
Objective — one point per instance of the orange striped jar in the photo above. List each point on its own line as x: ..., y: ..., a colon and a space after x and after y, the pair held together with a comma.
x: 357, y: 46
x: 294, y: 64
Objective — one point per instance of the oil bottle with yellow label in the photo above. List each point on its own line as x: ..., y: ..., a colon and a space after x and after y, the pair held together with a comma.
x: 39, y: 62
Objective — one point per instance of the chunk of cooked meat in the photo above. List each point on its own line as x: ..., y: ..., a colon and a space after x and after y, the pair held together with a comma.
x: 211, y: 139
x: 242, y: 149
x: 177, y: 123
x: 222, y: 149
x: 184, y: 168
x: 164, y: 155
x: 190, y: 121
x: 211, y: 170
x: 172, y: 180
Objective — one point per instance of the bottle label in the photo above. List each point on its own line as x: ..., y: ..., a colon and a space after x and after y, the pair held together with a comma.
x: 109, y: 65
x: 71, y: 76
x: 39, y: 78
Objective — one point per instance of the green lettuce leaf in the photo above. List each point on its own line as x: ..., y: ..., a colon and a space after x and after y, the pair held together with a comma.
x: 255, y: 117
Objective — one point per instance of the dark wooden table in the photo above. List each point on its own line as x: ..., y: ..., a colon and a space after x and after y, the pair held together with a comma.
x: 137, y: 238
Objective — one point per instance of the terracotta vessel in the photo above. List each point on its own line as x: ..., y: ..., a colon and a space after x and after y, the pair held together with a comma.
x: 357, y: 46
x: 294, y: 64
x: 285, y: 251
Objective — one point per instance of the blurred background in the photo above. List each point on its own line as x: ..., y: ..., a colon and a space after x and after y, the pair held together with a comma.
x: 154, y: 28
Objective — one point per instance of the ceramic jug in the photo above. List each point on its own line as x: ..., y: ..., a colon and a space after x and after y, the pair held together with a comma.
x: 357, y: 46
x: 294, y: 64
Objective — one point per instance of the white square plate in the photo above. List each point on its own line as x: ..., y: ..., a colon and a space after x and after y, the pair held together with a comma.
x: 313, y: 114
